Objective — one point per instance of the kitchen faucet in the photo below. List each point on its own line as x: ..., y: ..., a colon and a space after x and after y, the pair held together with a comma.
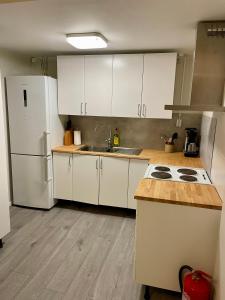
x: 109, y: 139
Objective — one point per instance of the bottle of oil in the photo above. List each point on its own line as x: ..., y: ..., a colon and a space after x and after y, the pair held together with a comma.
x: 116, y: 138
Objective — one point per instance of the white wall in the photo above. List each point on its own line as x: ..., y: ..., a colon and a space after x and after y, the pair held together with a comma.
x: 218, y: 178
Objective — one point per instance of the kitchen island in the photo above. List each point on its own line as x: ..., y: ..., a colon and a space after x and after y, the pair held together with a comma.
x: 177, y: 223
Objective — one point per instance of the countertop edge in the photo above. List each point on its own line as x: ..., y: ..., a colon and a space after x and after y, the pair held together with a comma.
x: 183, y: 203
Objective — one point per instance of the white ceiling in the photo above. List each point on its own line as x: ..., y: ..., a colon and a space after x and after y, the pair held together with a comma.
x: 39, y: 27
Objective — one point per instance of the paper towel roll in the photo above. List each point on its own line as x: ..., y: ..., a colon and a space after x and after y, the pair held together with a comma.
x: 77, y: 137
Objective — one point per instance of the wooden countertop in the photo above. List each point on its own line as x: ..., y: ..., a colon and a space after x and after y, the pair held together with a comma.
x: 174, y: 159
x: 154, y: 156
x: 173, y: 192
x: 191, y: 194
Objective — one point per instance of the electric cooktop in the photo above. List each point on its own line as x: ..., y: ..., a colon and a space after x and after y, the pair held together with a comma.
x: 174, y: 173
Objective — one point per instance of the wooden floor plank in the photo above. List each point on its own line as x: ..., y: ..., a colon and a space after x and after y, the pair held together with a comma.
x: 91, y: 267
x: 39, y: 281
x: 114, y: 264
x: 84, y: 235
x: 37, y: 224
x: 10, y: 287
x: 126, y: 288
x: 49, y: 295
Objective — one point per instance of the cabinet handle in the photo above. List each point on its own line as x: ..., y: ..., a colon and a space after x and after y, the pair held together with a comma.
x: 47, y: 178
x: 81, y: 108
x: 101, y: 165
x: 46, y: 134
x: 85, y: 108
x: 70, y: 157
x: 139, y: 110
x: 25, y: 98
x: 144, y: 110
x: 96, y: 164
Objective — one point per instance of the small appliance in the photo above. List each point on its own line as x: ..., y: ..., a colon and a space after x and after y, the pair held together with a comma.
x: 191, y: 148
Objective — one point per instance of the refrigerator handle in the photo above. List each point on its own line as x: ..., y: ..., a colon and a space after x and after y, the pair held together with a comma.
x: 47, y: 178
x: 46, y: 133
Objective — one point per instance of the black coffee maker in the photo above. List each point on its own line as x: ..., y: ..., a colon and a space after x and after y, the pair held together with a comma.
x: 191, y: 148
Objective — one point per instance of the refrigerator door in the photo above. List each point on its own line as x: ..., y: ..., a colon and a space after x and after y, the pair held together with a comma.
x: 32, y: 181
x: 28, y: 110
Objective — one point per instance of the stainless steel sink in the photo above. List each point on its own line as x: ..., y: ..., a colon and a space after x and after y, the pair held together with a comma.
x: 119, y: 150
x: 124, y: 150
x: 95, y: 149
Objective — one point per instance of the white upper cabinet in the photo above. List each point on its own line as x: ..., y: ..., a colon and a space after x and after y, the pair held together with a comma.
x: 70, y: 71
x: 123, y: 85
x: 158, y: 84
x: 127, y: 85
x: 98, y: 85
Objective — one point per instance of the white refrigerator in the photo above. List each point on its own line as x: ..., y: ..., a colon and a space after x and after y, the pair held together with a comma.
x: 34, y: 127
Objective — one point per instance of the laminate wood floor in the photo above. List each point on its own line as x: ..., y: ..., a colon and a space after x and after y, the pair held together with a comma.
x: 72, y: 252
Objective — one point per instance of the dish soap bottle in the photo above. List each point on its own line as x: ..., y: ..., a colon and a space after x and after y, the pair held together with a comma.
x: 116, y: 138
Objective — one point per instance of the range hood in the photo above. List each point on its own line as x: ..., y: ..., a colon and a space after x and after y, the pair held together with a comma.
x: 208, y: 91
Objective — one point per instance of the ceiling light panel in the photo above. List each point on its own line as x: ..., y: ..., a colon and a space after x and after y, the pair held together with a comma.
x: 86, y: 40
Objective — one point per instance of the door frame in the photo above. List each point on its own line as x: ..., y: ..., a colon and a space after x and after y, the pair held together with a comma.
x: 4, y: 163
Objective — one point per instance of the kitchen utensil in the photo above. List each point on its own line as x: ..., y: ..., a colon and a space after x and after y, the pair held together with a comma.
x: 174, y: 137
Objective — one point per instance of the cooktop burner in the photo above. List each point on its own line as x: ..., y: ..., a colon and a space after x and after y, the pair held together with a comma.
x: 187, y: 171
x: 188, y: 178
x: 161, y: 175
x: 162, y: 168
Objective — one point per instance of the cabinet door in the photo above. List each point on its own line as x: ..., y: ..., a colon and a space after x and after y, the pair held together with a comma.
x: 137, y: 170
x: 86, y: 178
x: 98, y: 85
x: 113, y: 181
x: 70, y: 70
x: 158, y: 84
x: 127, y: 85
x: 62, y: 175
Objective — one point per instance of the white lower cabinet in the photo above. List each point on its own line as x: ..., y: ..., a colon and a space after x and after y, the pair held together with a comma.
x: 169, y: 236
x: 86, y: 178
x: 97, y: 180
x: 62, y: 175
x: 137, y: 170
x: 113, y: 181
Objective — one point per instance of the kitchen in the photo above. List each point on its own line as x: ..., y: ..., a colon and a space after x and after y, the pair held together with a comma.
x: 112, y: 159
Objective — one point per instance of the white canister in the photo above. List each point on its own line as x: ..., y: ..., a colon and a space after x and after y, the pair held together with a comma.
x: 77, y: 137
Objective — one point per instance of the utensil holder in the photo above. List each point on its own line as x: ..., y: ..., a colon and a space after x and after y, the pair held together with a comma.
x: 169, y: 148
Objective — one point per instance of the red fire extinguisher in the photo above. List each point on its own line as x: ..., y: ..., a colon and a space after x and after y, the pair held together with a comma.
x: 195, y: 285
